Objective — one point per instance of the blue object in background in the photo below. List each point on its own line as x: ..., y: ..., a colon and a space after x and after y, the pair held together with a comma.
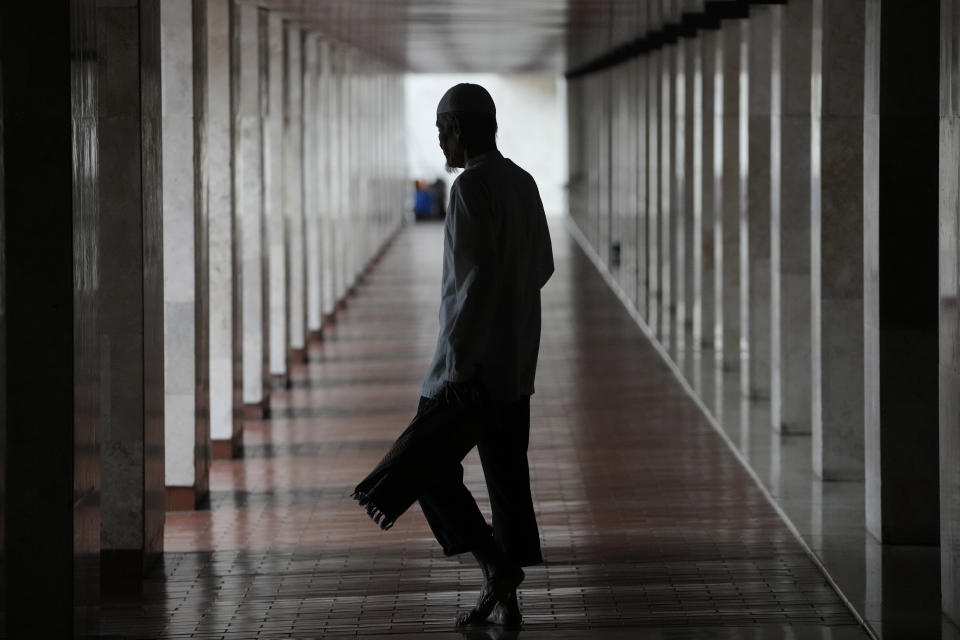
x: 422, y: 203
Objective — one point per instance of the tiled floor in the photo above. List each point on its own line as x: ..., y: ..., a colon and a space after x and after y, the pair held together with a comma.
x: 894, y: 588
x: 651, y: 528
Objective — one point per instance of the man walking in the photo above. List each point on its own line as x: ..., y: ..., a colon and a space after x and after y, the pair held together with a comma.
x: 497, y: 256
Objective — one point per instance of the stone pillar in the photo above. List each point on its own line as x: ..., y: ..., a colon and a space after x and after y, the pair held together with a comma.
x: 681, y: 200
x: 336, y: 136
x: 603, y: 96
x: 131, y: 268
x: 729, y: 185
x: 703, y: 179
x: 249, y: 201
x: 654, y: 264
x: 313, y: 184
x: 329, y: 174
x: 3, y: 342
x: 665, y: 174
x: 626, y: 165
x: 225, y: 279
x: 50, y: 234
x: 641, y: 74
x: 346, y: 213
x: 578, y: 153
x: 187, y: 447
x: 790, y: 220
x: 293, y: 204
x: 901, y: 159
x: 201, y: 263
x: 690, y: 186
x: 273, y: 196
x: 755, y: 227
x: 949, y: 316
x: 836, y: 239
x: 349, y: 151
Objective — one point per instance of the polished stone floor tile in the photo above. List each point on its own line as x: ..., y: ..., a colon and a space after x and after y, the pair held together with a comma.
x: 894, y: 588
x: 650, y: 526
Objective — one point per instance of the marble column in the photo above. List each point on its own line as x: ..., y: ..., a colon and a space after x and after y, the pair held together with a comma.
x: 293, y: 201
x: 575, y: 163
x: 353, y: 207
x: 336, y: 121
x: 836, y: 239
x: 346, y: 211
x: 594, y: 101
x: 131, y: 268
x: 703, y: 180
x: 3, y: 341
x: 187, y: 446
x: 604, y: 170
x: 790, y: 220
x: 327, y: 176
x: 729, y: 186
x: 689, y: 177
x: 681, y: 201
x: 609, y: 173
x: 332, y: 169
x: 225, y: 277
x: 273, y: 199
x: 249, y: 201
x: 755, y: 226
x: 578, y: 151
x: 949, y: 317
x: 654, y: 263
x: 641, y: 75
x: 901, y: 159
x: 51, y: 494
x: 665, y: 174
x: 314, y: 184
x: 626, y: 166
x: 201, y: 238
x: 615, y: 173
x: 361, y: 169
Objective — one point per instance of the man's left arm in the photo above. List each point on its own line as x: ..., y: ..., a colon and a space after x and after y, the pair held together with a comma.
x: 475, y: 277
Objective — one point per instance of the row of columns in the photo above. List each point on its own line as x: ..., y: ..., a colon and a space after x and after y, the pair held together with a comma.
x: 760, y: 180
x: 194, y: 187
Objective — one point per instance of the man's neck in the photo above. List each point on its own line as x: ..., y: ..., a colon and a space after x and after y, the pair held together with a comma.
x: 469, y: 156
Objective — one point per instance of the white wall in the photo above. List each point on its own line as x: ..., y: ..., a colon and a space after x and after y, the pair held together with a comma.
x: 531, y: 114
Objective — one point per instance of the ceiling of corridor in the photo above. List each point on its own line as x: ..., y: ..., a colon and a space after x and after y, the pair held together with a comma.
x: 479, y: 35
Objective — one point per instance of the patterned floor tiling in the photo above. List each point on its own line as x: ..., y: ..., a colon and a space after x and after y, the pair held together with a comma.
x: 650, y: 527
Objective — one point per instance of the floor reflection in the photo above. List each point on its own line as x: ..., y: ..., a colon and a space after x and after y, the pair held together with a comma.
x: 894, y: 588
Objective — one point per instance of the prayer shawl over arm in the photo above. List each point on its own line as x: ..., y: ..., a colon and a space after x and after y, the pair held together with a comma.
x: 439, y: 436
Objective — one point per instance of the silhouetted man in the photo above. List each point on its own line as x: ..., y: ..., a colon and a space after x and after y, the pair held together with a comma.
x: 496, y: 257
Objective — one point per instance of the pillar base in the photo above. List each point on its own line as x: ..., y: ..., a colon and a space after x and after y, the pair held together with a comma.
x: 184, y: 498
x: 257, y: 410
x: 122, y: 570
x: 228, y: 449
x: 280, y: 381
x: 315, y: 336
x: 299, y: 356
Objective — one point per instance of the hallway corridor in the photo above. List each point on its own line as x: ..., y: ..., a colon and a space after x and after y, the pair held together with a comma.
x: 651, y: 528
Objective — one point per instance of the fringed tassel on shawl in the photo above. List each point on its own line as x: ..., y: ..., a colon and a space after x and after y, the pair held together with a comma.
x: 376, y: 514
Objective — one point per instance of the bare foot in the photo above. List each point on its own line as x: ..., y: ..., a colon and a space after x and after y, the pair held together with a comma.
x: 506, y: 612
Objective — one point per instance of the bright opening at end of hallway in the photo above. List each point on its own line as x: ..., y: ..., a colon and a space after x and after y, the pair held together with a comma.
x: 531, y: 120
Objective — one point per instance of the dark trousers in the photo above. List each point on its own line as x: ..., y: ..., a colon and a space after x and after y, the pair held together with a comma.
x: 452, y: 512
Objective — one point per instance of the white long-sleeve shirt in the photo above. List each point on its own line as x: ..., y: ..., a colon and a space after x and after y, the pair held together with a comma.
x: 497, y: 255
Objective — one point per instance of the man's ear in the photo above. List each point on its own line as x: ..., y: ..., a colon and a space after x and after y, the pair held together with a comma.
x: 455, y: 126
